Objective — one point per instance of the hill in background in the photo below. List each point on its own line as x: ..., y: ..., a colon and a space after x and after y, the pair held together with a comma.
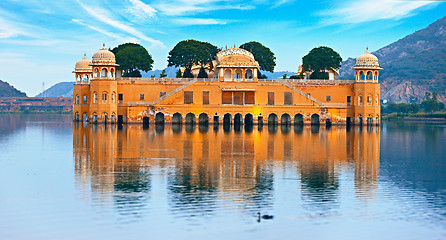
x: 62, y: 89
x: 7, y: 90
x: 412, y: 65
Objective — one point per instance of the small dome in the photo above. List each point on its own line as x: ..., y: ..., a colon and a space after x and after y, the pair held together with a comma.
x: 83, y: 65
x: 104, y: 57
x: 367, y: 60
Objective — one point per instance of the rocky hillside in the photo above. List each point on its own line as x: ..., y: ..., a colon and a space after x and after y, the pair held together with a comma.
x: 7, y: 90
x: 62, y: 89
x: 412, y: 65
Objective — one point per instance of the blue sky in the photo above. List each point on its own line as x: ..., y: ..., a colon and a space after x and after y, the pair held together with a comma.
x: 41, y: 40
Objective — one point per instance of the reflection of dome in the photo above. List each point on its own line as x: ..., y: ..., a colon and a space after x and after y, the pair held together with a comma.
x: 83, y: 65
x: 104, y: 56
x: 367, y: 60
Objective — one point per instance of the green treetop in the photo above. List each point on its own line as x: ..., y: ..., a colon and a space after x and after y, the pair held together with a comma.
x: 191, y: 52
x: 132, y: 58
x: 262, y: 54
x: 320, y: 59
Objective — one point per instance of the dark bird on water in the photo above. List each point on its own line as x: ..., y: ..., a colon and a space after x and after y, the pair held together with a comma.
x: 266, y: 217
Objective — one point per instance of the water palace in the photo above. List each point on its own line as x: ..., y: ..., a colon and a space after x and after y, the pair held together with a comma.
x: 233, y: 95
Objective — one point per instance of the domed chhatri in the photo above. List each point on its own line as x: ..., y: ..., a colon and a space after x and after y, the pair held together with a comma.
x: 236, y: 65
x: 367, y: 60
x: 83, y: 65
x: 83, y: 70
x: 103, y: 56
x: 367, y: 67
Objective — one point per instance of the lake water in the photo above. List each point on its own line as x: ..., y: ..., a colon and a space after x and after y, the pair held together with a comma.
x: 61, y: 180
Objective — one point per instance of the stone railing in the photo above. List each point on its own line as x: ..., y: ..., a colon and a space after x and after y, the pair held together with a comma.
x: 316, y: 81
x: 168, y: 79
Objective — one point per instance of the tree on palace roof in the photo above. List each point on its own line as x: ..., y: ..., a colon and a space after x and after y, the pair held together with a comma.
x: 320, y: 59
x: 191, y: 52
x: 262, y: 55
x: 132, y: 58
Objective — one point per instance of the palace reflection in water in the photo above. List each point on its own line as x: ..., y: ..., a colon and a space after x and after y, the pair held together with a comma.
x: 206, y: 166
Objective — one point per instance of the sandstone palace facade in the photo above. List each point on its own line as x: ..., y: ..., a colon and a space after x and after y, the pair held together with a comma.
x: 233, y: 95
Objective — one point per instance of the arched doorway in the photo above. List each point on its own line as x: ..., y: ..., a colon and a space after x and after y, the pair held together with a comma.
x: 227, y: 119
x: 145, y: 121
x: 238, y: 119
x: 273, y: 119
x: 159, y: 118
x: 315, y: 119
x: 177, y: 118
x: 285, y: 119
x: 190, y: 118
x: 299, y: 119
x: 328, y: 122
x: 249, y: 119
x: 203, y: 119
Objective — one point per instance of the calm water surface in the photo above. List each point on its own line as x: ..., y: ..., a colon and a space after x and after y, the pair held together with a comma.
x: 60, y: 180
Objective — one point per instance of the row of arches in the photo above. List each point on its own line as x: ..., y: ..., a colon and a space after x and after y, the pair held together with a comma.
x: 105, y: 97
x: 367, y: 76
x: 369, y: 100
x: 238, y: 75
x: 104, y: 72
x: 237, y: 119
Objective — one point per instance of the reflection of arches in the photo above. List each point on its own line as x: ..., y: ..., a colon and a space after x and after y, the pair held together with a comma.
x: 248, y: 75
x: 203, y: 119
x: 285, y: 119
x: 227, y: 119
x: 260, y: 120
x: 315, y: 119
x: 298, y: 119
x: 145, y: 121
x: 177, y: 118
x: 159, y: 118
x: 238, y: 119
x: 249, y: 119
x: 228, y: 75
x: 190, y: 118
x: 273, y: 119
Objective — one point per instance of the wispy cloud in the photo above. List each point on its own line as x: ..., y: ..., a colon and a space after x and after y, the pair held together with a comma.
x: 141, y: 10
x: 365, y: 11
x: 199, y: 21
x: 10, y: 30
x: 105, y: 17
x: 187, y: 8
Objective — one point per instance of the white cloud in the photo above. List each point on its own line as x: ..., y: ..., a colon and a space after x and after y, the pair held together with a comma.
x: 141, y: 10
x: 199, y: 21
x: 365, y: 11
x: 187, y: 8
x: 10, y: 30
x: 104, y: 16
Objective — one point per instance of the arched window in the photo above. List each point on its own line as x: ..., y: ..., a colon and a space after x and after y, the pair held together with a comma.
x: 85, y: 99
x: 369, y: 100
x: 360, y: 100
x: 104, y: 97
x: 113, y: 97
x: 96, y: 72
x: 377, y: 99
x: 77, y: 99
x: 95, y: 97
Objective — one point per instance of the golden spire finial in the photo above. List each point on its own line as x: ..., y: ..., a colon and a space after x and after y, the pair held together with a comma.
x: 226, y: 46
x: 234, y: 45
x: 103, y: 45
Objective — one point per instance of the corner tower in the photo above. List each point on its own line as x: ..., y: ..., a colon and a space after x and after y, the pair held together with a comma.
x: 81, y: 89
x: 103, y: 87
x: 367, y: 107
